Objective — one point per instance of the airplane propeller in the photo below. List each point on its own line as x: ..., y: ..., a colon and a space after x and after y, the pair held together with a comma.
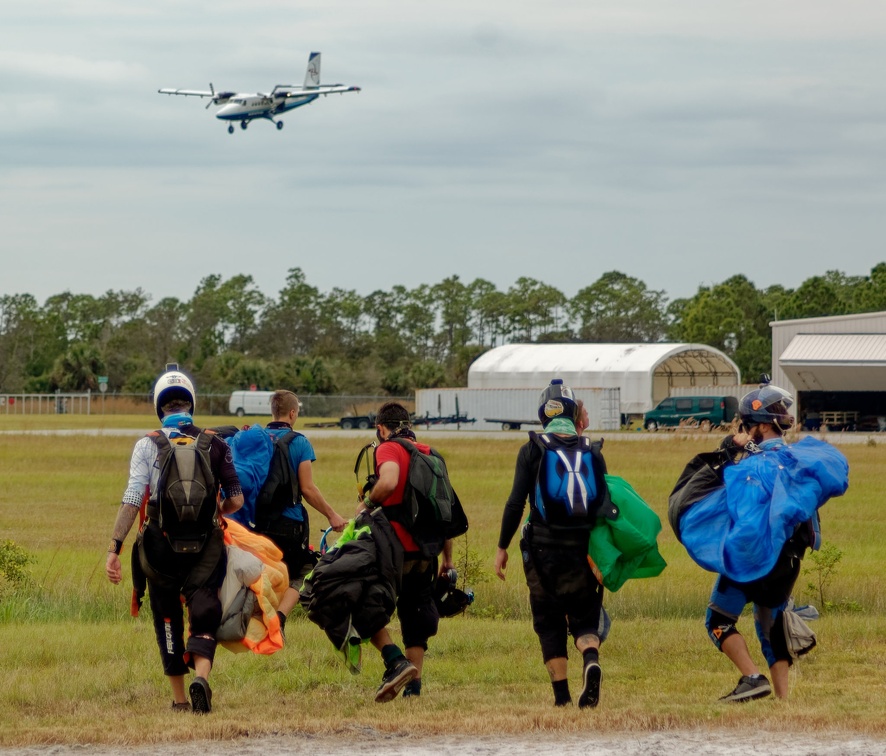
x: 218, y: 97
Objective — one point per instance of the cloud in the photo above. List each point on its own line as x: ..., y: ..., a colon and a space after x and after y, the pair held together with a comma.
x: 53, y: 67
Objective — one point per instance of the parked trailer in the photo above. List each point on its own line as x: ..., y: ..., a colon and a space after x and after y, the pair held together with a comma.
x: 361, y: 422
x: 506, y: 409
x: 511, y: 424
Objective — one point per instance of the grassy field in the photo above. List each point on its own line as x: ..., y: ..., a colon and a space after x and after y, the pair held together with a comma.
x: 77, y: 668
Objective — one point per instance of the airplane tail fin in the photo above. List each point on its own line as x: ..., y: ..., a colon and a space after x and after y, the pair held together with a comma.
x: 312, y: 77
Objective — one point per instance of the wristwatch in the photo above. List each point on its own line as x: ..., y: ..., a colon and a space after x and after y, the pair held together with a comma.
x: 115, y: 546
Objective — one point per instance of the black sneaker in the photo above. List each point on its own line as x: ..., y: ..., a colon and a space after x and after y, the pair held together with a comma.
x: 590, y: 692
x: 411, y: 689
x: 748, y: 689
x: 201, y: 696
x: 180, y: 707
x: 395, y: 678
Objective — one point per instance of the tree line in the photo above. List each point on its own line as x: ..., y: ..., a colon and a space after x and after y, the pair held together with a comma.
x: 229, y: 335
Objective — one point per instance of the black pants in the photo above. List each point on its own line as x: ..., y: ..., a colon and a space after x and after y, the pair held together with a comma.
x: 198, y: 578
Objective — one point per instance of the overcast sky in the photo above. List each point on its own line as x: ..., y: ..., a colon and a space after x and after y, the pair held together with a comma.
x: 678, y: 142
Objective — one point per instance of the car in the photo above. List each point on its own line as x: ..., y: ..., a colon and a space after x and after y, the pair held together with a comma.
x: 703, y: 411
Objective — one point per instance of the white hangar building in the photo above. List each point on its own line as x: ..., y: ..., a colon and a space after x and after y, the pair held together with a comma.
x: 644, y: 373
x: 835, y: 367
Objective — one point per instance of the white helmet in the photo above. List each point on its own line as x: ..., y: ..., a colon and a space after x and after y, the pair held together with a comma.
x: 173, y: 384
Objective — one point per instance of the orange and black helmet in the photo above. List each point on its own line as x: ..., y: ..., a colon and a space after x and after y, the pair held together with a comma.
x: 767, y: 404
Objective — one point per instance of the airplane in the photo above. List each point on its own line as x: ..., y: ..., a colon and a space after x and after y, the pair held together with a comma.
x: 283, y: 97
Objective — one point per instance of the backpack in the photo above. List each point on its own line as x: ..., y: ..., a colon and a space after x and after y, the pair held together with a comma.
x: 431, y: 510
x: 185, y: 501
x: 280, y: 489
x: 429, y: 501
x: 269, y: 486
x: 569, y: 486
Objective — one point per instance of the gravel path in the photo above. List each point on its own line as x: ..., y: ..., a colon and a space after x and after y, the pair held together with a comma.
x: 696, y: 742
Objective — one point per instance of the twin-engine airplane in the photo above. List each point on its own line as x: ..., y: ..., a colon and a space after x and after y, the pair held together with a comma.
x: 248, y: 107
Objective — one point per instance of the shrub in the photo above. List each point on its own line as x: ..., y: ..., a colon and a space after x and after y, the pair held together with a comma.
x: 14, y: 562
x: 823, y: 567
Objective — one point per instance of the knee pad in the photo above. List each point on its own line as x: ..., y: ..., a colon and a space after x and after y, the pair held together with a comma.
x: 719, y: 627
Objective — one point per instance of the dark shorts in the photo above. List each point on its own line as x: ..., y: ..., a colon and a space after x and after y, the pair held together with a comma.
x: 769, y: 595
x: 564, y: 594
x: 291, y: 537
x: 419, y: 617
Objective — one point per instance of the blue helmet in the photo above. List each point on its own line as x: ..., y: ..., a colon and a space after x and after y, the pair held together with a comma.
x: 767, y: 404
x: 557, y: 400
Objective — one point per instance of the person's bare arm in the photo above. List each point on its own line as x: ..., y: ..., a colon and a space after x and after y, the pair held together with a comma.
x: 501, y: 562
x: 122, y: 525
x: 315, y: 497
x: 446, y: 562
x: 388, y: 477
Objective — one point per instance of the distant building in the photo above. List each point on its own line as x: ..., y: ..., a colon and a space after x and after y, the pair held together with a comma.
x: 835, y: 367
x: 644, y: 373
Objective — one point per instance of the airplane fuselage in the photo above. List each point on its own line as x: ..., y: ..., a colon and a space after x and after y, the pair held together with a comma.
x: 246, y: 107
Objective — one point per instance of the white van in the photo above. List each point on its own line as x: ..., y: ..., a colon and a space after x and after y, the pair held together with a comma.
x: 250, y: 403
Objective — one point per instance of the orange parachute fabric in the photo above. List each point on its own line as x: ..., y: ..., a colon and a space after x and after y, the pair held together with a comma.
x: 263, y: 635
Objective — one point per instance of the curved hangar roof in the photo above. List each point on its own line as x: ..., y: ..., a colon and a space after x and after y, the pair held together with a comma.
x: 645, y: 373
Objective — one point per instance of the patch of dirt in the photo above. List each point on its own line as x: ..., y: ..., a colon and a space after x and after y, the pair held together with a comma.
x: 677, y: 743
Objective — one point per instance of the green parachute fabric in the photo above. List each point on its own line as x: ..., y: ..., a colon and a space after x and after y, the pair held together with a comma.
x: 627, y: 546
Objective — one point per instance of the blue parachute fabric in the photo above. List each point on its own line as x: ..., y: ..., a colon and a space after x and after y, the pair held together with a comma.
x: 739, y: 529
x: 252, y: 450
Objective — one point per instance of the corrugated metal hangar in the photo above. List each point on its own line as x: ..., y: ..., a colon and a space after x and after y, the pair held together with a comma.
x: 644, y: 373
x: 836, y: 369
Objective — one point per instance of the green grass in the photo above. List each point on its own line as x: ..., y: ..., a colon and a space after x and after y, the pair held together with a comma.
x: 58, y: 500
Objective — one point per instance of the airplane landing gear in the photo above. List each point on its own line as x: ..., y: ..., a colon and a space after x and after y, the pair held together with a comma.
x: 244, y: 124
x: 279, y: 125
x: 231, y: 129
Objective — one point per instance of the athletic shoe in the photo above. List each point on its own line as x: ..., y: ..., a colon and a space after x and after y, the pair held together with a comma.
x: 395, y: 678
x: 179, y: 707
x: 590, y: 693
x: 411, y: 689
x: 201, y: 696
x: 748, y: 689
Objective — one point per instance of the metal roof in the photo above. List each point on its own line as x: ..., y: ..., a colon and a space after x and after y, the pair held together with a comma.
x: 836, y: 362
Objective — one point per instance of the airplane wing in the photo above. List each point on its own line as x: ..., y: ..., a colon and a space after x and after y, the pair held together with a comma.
x: 311, y: 91
x: 190, y: 92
